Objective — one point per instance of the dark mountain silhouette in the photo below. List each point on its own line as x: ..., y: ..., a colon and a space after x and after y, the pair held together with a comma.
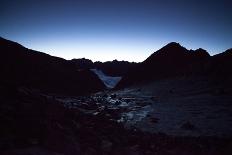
x: 219, y: 70
x: 24, y: 67
x: 115, y: 68
x: 220, y: 64
x: 83, y: 63
x: 173, y: 60
x: 111, y: 68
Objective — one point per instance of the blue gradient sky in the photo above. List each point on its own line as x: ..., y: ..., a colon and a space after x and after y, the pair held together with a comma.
x: 116, y: 29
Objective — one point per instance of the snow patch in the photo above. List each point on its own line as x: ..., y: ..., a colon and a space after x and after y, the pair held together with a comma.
x: 109, y: 81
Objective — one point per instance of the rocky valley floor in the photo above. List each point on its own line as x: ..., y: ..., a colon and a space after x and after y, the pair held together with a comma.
x: 167, y: 120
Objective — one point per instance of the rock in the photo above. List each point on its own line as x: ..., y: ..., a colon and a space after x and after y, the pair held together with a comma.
x: 133, y: 150
x: 154, y: 120
x: 188, y: 126
x: 96, y: 113
x: 76, y: 125
x: 143, y: 103
x: 171, y: 91
x: 84, y: 105
x: 117, y: 103
x: 106, y: 145
x: 154, y: 98
x: 90, y: 151
x: 127, y: 100
x: 113, y: 96
x: 105, y: 96
x: 219, y: 91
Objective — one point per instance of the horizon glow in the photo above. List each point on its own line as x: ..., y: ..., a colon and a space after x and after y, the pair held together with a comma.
x: 123, y: 29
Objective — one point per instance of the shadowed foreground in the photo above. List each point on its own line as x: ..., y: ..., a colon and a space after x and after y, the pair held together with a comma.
x: 38, y: 124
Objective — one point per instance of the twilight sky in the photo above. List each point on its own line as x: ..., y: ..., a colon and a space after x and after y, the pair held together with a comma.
x: 116, y: 29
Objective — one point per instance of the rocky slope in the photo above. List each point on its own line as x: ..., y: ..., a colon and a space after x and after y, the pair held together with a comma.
x: 173, y: 60
x: 24, y: 67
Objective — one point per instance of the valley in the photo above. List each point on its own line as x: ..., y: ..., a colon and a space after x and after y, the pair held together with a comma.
x: 177, y: 101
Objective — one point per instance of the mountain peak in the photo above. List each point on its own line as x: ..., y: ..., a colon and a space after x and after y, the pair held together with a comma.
x: 201, y: 52
x: 172, y: 48
x: 229, y: 51
x: 173, y: 44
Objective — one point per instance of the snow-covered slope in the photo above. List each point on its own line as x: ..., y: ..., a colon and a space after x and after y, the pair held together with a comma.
x: 109, y: 81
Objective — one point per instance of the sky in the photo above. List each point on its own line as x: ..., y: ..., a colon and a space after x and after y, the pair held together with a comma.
x: 104, y: 30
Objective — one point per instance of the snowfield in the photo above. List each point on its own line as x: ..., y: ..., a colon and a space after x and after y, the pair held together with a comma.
x: 109, y: 81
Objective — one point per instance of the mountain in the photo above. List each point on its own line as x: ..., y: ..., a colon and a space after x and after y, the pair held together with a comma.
x: 115, y: 67
x: 173, y: 60
x: 220, y: 64
x: 111, y: 68
x: 83, y: 63
x: 24, y: 67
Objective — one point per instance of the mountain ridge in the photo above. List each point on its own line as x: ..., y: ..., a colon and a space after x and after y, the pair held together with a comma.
x: 174, y: 60
x: 113, y: 68
x: 25, y: 67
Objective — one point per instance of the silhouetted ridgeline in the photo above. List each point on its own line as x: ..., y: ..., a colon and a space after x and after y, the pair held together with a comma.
x: 24, y: 67
x: 115, y: 68
x: 82, y: 63
x: 173, y: 60
x: 111, y: 68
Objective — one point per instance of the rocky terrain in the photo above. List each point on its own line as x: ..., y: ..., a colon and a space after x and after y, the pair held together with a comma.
x: 41, y: 124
